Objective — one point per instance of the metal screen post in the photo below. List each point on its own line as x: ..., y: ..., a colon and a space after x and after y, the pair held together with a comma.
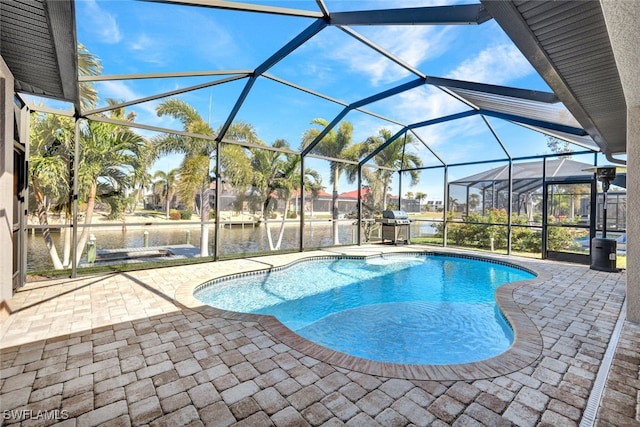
x: 301, y: 242
x: 509, y: 208
x: 216, y: 221
x: 360, y: 225
x: 445, y: 211
x: 545, y: 206
x: 74, y: 223
x: 400, y: 190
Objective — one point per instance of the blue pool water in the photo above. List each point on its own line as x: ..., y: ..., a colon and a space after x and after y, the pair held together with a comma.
x: 421, y: 309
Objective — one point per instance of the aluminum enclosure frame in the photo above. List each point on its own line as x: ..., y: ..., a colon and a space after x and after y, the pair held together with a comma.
x: 470, y: 93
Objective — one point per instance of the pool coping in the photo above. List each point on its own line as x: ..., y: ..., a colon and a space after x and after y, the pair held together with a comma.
x: 525, y: 349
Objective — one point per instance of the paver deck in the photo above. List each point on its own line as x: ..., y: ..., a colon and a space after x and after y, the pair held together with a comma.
x: 132, y: 349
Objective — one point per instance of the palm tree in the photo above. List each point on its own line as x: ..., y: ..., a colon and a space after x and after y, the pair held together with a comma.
x: 314, y: 187
x: 276, y: 177
x: 197, y: 157
x: 420, y: 196
x: 393, y: 156
x: 51, y: 155
x: 337, y: 145
x: 108, y: 155
x: 51, y: 142
x: 167, y: 185
x: 196, y: 166
x: 88, y: 65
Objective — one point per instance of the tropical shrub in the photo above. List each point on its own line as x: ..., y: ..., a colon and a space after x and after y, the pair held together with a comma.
x: 477, y: 230
x: 174, y: 214
x: 186, y: 214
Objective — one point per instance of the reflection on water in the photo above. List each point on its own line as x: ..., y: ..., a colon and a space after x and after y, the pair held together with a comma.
x: 235, y: 240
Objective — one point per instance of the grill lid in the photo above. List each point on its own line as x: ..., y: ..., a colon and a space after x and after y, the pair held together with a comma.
x: 394, y: 215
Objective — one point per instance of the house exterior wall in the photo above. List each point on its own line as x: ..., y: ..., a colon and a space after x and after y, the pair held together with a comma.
x: 6, y: 188
x: 633, y: 221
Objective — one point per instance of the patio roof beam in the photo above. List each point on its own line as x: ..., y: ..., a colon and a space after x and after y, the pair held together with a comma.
x: 323, y: 7
x: 387, y: 93
x: 383, y: 146
x: 383, y: 52
x: 534, y: 122
x: 559, y: 136
x: 385, y: 168
x: 304, y: 89
x: 325, y: 131
x: 427, y: 147
x: 48, y: 110
x: 328, y: 98
x: 527, y: 185
x: 531, y: 95
x: 495, y: 135
x: 515, y: 159
x: 135, y: 125
x: 236, y: 107
x: 444, y: 119
x: 479, y: 162
x: 189, y: 134
x: 296, y: 42
x: 102, y: 78
x: 246, y: 7
x: 464, y: 14
x: 259, y: 147
x: 163, y: 95
x: 332, y: 159
x: 356, y: 105
x: 547, y: 156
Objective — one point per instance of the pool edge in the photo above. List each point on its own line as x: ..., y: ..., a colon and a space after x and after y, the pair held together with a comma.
x: 525, y: 349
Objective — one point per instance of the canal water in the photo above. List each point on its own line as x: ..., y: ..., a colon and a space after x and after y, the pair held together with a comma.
x: 233, y: 240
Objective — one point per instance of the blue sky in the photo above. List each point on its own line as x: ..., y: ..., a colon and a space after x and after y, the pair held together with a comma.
x: 132, y: 37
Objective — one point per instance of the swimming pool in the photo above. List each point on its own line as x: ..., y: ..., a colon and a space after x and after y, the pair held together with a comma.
x: 406, y: 309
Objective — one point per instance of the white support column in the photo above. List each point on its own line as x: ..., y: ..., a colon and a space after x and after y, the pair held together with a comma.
x: 633, y: 221
x: 6, y: 188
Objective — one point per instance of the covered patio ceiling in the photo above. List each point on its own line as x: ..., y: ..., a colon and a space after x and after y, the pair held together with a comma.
x: 38, y: 43
x: 568, y: 44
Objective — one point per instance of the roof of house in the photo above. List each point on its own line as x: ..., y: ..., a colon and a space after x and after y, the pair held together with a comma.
x: 38, y: 44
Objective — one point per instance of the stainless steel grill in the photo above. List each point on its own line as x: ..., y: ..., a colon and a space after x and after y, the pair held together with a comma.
x: 395, y: 227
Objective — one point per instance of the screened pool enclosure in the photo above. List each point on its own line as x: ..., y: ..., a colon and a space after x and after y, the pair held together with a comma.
x: 249, y: 128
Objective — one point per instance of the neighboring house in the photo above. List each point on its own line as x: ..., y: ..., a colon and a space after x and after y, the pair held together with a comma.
x: 434, y: 205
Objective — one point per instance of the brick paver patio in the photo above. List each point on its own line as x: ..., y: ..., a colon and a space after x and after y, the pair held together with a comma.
x: 123, y: 350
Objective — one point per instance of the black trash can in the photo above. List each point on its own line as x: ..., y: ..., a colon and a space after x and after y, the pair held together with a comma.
x: 603, y: 254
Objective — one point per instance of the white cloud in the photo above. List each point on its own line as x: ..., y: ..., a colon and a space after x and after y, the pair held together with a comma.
x: 117, y: 90
x: 100, y: 23
x: 142, y: 43
x: 411, y: 44
x: 495, y: 65
x: 148, y: 49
